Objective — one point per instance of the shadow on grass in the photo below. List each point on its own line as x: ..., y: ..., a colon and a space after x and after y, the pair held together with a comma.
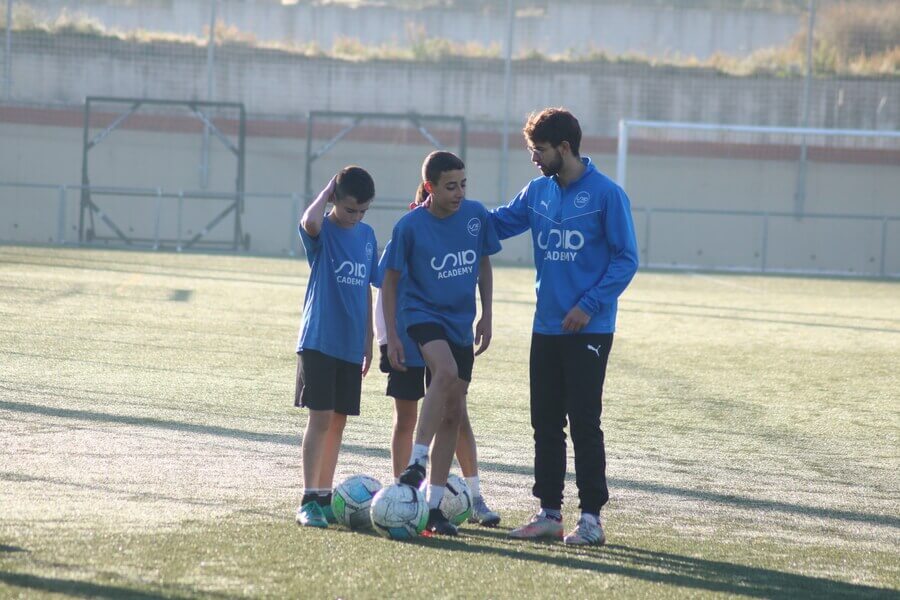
x: 384, y: 453
x: 662, y: 568
x: 764, y: 311
x: 297, y: 282
x: 8, y: 548
x: 761, y: 320
x: 126, y: 494
x: 86, y: 589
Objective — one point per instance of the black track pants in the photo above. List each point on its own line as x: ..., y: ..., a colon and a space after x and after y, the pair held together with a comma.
x: 567, y: 373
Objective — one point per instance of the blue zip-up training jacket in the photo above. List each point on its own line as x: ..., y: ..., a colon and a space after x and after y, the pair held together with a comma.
x: 585, y: 250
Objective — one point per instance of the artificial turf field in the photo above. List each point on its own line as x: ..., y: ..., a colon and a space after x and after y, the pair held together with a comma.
x: 149, y: 446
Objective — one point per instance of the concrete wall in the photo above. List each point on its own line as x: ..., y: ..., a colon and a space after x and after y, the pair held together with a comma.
x: 577, y: 26
x: 65, y: 69
x: 659, y: 187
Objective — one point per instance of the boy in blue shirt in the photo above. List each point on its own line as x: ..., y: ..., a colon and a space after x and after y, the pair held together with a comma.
x: 585, y: 254
x: 335, y: 345
x: 442, y: 251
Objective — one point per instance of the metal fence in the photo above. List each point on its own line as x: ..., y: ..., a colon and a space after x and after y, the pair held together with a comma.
x: 285, y: 209
x: 818, y: 64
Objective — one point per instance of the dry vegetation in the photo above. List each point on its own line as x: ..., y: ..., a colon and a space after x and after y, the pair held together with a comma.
x: 855, y: 39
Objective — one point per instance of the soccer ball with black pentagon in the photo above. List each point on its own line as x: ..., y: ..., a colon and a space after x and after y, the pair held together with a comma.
x: 351, y: 500
x: 399, y: 512
x: 457, y: 501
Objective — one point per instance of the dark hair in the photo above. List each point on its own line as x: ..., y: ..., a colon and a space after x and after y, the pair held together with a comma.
x: 553, y: 126
x: 421, y: 194
x: 439, y: 162
x: 354, y: 181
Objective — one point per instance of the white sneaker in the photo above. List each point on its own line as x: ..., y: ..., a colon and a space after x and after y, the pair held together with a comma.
x: 539, y: 527
x: 482, y: 515
x: 586, y: 533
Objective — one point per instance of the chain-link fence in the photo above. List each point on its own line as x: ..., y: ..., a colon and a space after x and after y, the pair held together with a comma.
x: 778, y: 63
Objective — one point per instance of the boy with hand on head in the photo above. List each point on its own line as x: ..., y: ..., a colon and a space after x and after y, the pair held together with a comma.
x: 335, y: 346
x: 408, y: 387
x: 443, y: 252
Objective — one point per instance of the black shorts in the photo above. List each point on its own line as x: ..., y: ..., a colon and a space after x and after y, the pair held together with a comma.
x: 422, y: 333
x: 327, y: 383
x: 404, y: 385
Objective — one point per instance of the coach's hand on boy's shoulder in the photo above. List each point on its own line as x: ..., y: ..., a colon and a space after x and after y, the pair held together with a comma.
x: 395, y: 353
x: 576, y: 320
x: 483, y: 334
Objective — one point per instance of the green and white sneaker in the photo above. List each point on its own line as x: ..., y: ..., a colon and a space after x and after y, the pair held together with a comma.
x: 586, y: 533
x: 311, y: 515
x: 328, y: 513
x: 482, y: 515
x: 540, y: 526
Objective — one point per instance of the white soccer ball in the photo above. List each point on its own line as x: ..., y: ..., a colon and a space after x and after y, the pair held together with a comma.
x: 351, y: 499
x: 399, y: 512
x: 457, y: 501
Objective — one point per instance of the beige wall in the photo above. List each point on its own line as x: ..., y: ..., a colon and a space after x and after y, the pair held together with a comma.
x: 31, y: 153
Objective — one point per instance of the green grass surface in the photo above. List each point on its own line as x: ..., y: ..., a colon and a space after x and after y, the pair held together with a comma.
x: 149, y: 446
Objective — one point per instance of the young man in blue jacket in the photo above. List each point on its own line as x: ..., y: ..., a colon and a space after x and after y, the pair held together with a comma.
x: 585, y: 254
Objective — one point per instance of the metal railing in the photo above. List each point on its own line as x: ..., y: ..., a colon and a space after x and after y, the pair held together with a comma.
x: 763, y: 250
x: 297, y: 200
x: 182, y: 242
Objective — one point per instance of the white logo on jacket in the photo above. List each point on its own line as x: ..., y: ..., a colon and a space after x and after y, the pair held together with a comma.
x: 454, y: 264
x: 582, y: 198
x: 474, y: 226
x: 561, y: 244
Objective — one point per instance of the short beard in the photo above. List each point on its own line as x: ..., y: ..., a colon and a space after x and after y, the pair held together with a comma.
x: 552, y: 169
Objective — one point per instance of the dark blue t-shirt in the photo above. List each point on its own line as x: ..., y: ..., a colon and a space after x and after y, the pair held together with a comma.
x: 441, y: 259
x: 335, y: 311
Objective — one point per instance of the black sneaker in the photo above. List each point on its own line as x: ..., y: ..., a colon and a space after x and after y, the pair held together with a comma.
x: 438, y: 523
x: 414, y: 475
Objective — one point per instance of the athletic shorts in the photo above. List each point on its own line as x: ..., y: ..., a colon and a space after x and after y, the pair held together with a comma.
x: 404, y: 385
x: 327, y: 383
x: 422, y: 333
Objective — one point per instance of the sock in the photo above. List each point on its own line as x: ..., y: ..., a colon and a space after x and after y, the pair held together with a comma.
x: 474, y: 486
x: 324, y: 498
x: 552, y: 513
x: 594, y: 519
x: 435, y: 494
x: 310, y: 495
x: 419, y: 455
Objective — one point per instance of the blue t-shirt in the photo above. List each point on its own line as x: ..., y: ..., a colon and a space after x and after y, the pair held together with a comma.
x: 440, y: 258
x: 336, y: 309
x: 585, y: 250
x: 411, y: 354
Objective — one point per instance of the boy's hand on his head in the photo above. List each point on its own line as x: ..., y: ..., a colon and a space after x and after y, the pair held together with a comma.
x: 576, y: 320
x: 329, y: 189
x: 483, y: 335
x: 395, y: 354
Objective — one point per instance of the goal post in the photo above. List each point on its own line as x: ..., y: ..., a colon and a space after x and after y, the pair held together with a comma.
x: 736, y: 197
x: 132, y: 217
